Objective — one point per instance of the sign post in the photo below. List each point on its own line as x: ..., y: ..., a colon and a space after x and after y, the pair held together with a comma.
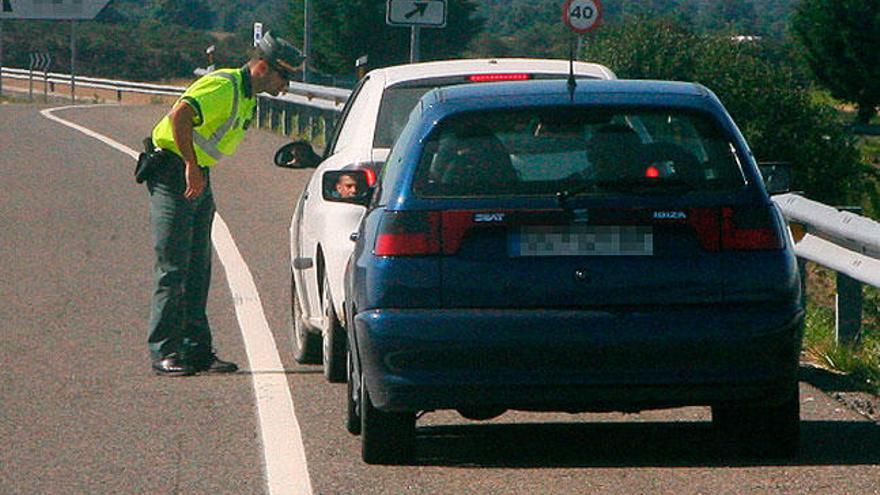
x: 1, y: 55
x: 582, y: 16
x: 307, y: 38
x: 58, y: 10
x: 73, y: 61
x: 40, y: 62
x: 416, y: 14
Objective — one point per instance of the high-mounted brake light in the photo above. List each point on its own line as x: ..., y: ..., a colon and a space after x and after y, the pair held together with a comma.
x: 478, y: 78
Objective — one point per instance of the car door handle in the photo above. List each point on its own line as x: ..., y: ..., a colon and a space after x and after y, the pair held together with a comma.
x: 302, y: 263
x: 354, y: 236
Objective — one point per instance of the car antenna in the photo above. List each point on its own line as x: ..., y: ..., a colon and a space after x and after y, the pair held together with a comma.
x: 572, y: 83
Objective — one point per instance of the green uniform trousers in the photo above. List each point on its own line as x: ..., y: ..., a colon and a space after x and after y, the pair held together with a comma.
x: 182, y: 274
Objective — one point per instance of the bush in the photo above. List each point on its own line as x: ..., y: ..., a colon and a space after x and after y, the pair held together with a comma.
x: 767, y: 100
x: 140, y: 52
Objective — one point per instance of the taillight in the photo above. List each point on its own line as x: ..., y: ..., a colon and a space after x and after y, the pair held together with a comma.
x: 371, y: 177
x: 704, y: 221
x: 498, y: 77
x: 748, y: 229
x: 408, y: 233
x: 737, y: 229
x: 413, y: 233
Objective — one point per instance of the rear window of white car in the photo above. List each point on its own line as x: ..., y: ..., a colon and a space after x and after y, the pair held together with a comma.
x: 398, y: 101
x: 588, y: 150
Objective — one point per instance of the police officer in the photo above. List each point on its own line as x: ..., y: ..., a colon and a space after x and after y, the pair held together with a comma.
x: 205, y: 125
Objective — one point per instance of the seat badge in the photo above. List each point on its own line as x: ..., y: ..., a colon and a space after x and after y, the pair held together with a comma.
x: 488, y: 217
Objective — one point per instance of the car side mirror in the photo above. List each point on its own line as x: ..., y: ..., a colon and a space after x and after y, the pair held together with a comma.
x: 347, y: 186
x: 777, y: 176
x: 298, y: 154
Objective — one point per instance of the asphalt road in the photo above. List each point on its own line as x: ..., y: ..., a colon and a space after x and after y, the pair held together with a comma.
x: 80, y: 411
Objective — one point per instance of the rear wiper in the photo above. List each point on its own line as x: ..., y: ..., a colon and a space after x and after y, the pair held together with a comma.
x: 564, y: 195
x: 643, y: 185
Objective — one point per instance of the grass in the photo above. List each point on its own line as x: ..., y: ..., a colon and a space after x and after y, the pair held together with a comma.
x: 860, y: 361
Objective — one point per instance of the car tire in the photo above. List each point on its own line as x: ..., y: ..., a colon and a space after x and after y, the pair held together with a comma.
x: 306, y: 344
x: 353, y: 419
x: 386, y: 437
x: 767, y: 430
x: 334, y: 345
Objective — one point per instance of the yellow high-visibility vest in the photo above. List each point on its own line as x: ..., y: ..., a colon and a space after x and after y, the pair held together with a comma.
x: 223, y: 104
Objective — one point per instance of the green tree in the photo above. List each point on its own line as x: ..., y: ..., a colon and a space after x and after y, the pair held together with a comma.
x: 778, y: 118
x: 736, y: 15
x: 344, y: 30
x: 195, y: 14
x: 842, y: 42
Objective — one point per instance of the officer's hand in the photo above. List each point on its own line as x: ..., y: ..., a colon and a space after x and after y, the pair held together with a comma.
x: 195, y: 181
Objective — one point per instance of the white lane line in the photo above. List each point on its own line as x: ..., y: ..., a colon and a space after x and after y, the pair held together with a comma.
x: 284, y: 454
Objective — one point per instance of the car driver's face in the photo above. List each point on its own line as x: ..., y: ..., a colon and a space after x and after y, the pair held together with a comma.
x: 346, y: 187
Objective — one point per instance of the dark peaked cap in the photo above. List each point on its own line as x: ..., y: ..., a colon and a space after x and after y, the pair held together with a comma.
x: 281, y: 55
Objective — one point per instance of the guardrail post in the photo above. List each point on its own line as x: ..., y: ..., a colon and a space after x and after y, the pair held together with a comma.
x: 848, y: 309
x: 848, y: 301
x: 118, y: 96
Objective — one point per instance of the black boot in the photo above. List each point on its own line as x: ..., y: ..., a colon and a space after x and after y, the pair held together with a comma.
x: 210, y: 363
x: 172, y: 365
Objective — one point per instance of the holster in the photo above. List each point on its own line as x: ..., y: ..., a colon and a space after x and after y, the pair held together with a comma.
x: 147, y: 163
x: 160, y: 166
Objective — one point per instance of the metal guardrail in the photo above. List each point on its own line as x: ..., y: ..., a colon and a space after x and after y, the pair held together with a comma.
x: 845, y: 242
x: 93, y: 82
x: 306, y: 111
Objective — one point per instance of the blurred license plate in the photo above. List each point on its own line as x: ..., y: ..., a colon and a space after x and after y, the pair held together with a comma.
x: 581, y: 240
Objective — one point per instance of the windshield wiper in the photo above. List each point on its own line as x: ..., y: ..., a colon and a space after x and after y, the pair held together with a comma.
x: 647, y: 185
x: 564, y: 195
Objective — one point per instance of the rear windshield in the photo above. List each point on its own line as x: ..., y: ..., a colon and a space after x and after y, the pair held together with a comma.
x: 399, y: 100
x: 397, y: 103
x: 577, y: 151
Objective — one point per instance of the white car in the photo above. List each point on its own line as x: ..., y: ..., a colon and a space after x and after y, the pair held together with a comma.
x: 323, y: 223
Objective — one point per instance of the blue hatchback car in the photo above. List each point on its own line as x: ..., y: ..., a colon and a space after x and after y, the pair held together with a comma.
x: 608, y: 247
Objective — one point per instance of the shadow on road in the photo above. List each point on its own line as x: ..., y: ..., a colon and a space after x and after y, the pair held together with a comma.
x: 828, y: 381
x: 694, y: 444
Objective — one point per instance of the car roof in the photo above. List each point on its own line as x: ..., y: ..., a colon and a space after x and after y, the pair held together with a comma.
x: 426, y: 70
x: 501, y: 95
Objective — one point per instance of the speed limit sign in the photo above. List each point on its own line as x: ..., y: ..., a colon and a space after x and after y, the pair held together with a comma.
x: 582, y: 16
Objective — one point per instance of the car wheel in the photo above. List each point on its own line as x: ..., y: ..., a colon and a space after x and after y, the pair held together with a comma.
x: 353, y: 421
x: 769, y: 430
x: 306, y: 344
x: 334, y: 338
x: 386, y: 437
